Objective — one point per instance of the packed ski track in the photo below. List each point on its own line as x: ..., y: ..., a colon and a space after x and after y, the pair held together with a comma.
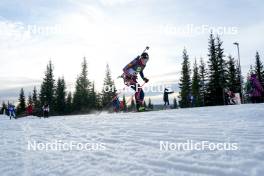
x: 132, y: 143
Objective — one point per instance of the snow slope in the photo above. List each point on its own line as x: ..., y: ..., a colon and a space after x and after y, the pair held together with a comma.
x: 132, y: 143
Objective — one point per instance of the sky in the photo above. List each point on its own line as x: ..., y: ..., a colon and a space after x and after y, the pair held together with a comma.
x: 116, y: 31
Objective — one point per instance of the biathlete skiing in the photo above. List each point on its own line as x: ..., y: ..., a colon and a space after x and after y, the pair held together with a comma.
x: 130, y: 77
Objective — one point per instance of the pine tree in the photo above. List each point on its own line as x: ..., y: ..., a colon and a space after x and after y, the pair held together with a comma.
x: 82, y: 90
x: 222, y: 69
x: 202, y: 75
x: 109, y: 90
x: 248, y: 88
x: 22, y: 102
x: 215, y: 89
x: 93, y: 98
x: 196, y: 85
x: 30, y: 101
x: 251, y: 70
x: 125, y: 103
x: 36, y: 103
x: 69, y: 105
x: 259, y: 70
x: 175, y: 104
x: 231, y: 77
x: 239, y: 80
x: 47, y: 89
x: 185, y: 82
x: 60, y: 96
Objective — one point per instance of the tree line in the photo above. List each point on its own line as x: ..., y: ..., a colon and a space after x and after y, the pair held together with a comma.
x: 207, y: 83
x: 84, y: 99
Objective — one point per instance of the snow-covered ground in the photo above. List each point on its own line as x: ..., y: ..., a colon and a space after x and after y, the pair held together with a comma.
x: 131, y: 143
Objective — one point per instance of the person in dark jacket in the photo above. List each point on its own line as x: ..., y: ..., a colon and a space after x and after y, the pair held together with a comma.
x: 166, y: 97
x: 46, y: 110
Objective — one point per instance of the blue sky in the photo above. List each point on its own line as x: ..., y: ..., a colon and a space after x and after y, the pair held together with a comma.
x: 114, y: 32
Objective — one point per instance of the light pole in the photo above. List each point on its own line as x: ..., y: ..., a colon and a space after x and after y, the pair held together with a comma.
x: 240, y: 75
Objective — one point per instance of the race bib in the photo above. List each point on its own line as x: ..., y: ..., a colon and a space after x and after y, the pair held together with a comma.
x: 139, y: 69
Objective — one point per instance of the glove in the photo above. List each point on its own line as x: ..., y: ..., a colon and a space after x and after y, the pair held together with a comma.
x: 146, y: 80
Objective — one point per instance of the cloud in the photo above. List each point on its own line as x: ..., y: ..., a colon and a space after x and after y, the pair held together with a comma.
x: 14, y: 82
x: 115, y: 2
x: 10, y: 87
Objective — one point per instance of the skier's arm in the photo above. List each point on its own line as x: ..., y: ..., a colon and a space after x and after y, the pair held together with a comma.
x: 143, y: 77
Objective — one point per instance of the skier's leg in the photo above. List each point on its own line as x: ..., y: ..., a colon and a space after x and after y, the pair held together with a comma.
x: 140, y: 99
x: 165, y: 105
x: 139, y: 95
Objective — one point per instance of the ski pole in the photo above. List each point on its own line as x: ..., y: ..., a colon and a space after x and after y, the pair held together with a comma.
x: 147, y: 48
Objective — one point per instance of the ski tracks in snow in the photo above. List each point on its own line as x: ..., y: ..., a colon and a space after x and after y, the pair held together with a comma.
x: 132, y: 143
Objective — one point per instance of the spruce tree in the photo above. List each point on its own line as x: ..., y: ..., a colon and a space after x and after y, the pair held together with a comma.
x: 69, y: 107
x: 60, y: 96
x: 36, y: 103
x: 251, y: 70
x: 202, y: 75
x: 30, y: 101
x: 109, y: 90
x: 231, y: 77
x: 222, y: 70
x: 47, y: 89
x: 22, y: 102
x: 94, y: 98
x: 259, y: 70
x: 215, y: 88
x: 196, y: 85
x: 248, y: 88
x: 239, y: 80
x: 82, y: 90
x: 185, y: 82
